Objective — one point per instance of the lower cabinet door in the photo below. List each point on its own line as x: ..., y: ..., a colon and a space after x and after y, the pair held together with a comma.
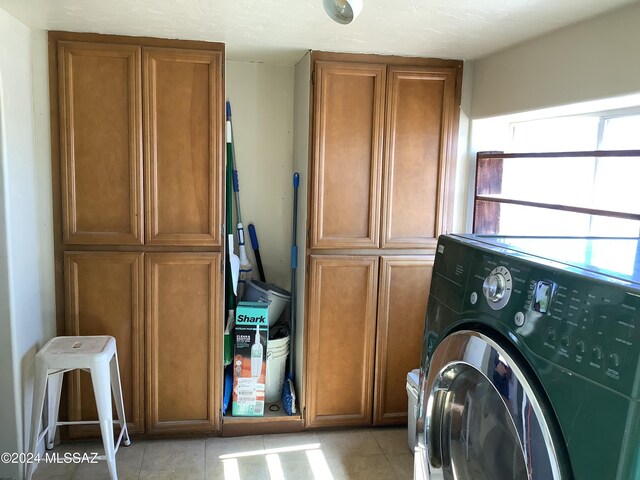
x: 402, y: 306
x: 104, y: 296
x: 183, y: 341
x: 340, y: 340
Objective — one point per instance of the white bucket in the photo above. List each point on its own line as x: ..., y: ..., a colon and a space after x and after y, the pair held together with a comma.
x: 277, y: 353
x: 277, y: 298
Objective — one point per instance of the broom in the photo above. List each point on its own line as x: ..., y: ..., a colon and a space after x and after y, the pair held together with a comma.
x: 288, y: 389
x: 232, y: 267
x: 246, y: 268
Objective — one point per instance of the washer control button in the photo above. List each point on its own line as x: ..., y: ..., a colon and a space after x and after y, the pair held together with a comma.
x: 551, y: 335
x: 596, y: 353
x: 614, y: 360
x: 519, y: 319
x: 580, y: 347
x: 473, y: 298
x: 564, y: 340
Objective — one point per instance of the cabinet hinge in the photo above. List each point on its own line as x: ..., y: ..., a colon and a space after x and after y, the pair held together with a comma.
x: 313, y: 77
x: 309, y: 232
x: 307, y: 268
x: 222, y: 229
x: 221, y: 266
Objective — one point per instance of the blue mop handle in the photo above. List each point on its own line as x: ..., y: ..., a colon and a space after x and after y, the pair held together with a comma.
x: 294, y: 246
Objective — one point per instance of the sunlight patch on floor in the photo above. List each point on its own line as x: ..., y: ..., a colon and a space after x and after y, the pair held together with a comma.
x: 315, y: 457
x: 267, y: 451
x: 275, y: 467
x: 319, y: 465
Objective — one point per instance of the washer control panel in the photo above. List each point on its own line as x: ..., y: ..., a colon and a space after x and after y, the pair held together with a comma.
x: 586, y: 325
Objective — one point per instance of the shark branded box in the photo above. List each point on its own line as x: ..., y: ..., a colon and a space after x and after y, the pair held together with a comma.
x: 250, y: 359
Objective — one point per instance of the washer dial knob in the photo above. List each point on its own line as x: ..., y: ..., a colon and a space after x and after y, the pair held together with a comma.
x: 493, y: 287
x: 497, y: 287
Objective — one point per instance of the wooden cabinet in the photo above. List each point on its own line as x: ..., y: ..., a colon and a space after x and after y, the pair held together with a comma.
x: 347, y: 168
x: 382, y: 125
x: 357, y: 360
x: 419, y: 149
x: 383, y: 144
x: 100, y: 143
x: 130, y: 198
x: 183, y: 343
x: 340, y: 340
x: 105, y: 296
x: 402, y: 306
x: 183, y: 171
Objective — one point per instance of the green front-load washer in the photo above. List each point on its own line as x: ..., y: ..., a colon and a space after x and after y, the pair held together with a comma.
x: 531, y: 360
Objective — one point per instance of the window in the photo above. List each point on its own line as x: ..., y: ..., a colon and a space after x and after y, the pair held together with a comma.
x: 590, y: 188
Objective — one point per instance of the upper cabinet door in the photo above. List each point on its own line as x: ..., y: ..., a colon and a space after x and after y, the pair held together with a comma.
x: 183, y: 113
x: 419, y: 142
x: 347, y: 154
x: 100, y: 143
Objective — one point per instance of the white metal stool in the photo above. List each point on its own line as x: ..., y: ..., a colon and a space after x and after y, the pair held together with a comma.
x: 98, y: 356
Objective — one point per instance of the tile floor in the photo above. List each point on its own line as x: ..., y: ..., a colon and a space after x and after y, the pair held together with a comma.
x: 380, y: 453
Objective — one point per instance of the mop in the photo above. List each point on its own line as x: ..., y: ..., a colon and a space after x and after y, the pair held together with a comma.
x: 288, y: 389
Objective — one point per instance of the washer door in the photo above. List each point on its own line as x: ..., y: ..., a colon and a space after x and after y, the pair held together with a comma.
x: 480, y: 418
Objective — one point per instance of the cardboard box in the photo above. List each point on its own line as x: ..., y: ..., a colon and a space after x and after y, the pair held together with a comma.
x: 250, y: 359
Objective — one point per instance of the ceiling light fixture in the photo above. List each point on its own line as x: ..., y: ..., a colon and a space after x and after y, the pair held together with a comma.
x: 342, y: 11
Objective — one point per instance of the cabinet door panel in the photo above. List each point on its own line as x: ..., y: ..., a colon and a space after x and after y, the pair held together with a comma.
x: 183, y: 341
x: 402, y: 306
x: 104, y: 296
x: 347, y: 157
x: 183, y: 146
x: 340, y: 343
x: 418, y: 144
x: 100, y: 143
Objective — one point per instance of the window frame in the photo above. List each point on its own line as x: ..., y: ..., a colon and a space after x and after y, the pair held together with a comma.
x: 485, y: 215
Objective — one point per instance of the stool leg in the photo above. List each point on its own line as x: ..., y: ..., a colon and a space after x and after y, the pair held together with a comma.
x: 116, y: 388
x: 53, y: 404
x: 39, y: 387
x: 100, y: 379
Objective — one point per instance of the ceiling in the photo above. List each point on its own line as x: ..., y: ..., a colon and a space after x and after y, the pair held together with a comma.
x: 280, y: 31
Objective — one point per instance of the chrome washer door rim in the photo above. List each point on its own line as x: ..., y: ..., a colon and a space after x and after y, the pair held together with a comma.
x: 473, y: 354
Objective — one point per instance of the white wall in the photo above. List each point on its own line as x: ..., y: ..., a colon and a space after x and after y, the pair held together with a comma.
x: 591, y: 66
x: 302, y: 95
x: 464, y: 172
x: 8, y: 401
x: 591, y: 60
x: 26, y: 259
x: 261, y: 99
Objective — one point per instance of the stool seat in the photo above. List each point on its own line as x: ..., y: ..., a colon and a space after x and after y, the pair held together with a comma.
x: 77, y: 352
x: 97, y: 355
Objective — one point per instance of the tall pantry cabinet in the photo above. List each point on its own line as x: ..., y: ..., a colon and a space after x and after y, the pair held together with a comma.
x: 382, y: 152
x: 137, y: 156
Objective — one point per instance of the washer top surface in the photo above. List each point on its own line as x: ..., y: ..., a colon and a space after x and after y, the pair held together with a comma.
x: 615, y: 259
